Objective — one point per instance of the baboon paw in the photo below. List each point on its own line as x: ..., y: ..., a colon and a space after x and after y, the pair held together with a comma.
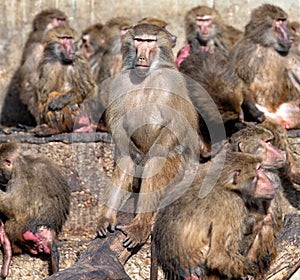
x: 105, y: 225
x: 45, y: 130
x: 194, y: 273
x: 135, y: 235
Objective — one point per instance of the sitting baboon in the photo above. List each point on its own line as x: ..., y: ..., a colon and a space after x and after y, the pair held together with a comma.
x: 206, y: 31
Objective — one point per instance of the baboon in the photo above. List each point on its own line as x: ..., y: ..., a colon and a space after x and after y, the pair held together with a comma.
x: 32, y: 54
x: 218, y: 78
x: 260, y: 61
x: 101, y: 45
x: 230, y: 232
x: 92, y: 47
x: 294, y: 55
x: 154, y: 126
x: 206, y: 31
x: 266, y: 82
x: 280, y: 140
x: 110, y: 65
x: 294, y: 28
x: 257, y: 140
x: 65, y: 80
x: 35, y: 203
x: 114, y: 31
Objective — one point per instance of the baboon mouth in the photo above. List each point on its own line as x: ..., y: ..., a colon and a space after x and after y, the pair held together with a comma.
x: 141, y: 66
x: 142, y: 70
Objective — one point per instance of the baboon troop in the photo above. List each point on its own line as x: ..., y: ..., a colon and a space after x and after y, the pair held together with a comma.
x: 200, y: 137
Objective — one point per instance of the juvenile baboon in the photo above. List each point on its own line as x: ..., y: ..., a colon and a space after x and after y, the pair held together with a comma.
x: 92, y: 47
x: 223, y: 234
x: 206, y: 31
x: 32, y: 54
x: 154, y: 126
x: 280, y: 140
x: 267, y: 215
x: 65, y: 80
x: 260, y: 61
x: 34, y: 204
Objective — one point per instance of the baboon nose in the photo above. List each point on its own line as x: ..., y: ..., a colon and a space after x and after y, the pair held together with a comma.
x: 142, y: 58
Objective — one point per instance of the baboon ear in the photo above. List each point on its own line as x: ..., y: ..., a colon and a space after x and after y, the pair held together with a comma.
x: 236, y: 177
x: 7, y: 162
x: 241, y: 147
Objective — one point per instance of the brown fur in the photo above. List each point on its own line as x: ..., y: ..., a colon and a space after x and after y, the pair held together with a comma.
x: 32, y: 55
x: 227, y: 233
x: 93, y: 46
x: 112, y: 57
x: 161, y: 149
x: 161, y: 23
x: 153, y: 20
x: 219, y: 80
x: 265, y: 216
x: 34, y: 195
x: 224, y: 36
x: 96, y: 104
x: 280, y: 140
x: 294, y: 55
x: 109, y: 65
x: 62, y: 87
x: 260, y: 62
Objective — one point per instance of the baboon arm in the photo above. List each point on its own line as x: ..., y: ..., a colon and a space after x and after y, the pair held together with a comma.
x: 6, y: 205
x: 58, y: 100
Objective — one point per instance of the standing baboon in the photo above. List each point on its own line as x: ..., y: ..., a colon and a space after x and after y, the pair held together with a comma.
x: 206, y: 31
x: 154, y: 126
x: 65, y: 80
x: 32, y: 54
x: 34, y: 204
x: 228, y: 233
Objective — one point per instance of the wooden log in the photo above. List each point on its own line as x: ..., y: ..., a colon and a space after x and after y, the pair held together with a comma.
x: 103, y: 259
x: 288, y: 252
